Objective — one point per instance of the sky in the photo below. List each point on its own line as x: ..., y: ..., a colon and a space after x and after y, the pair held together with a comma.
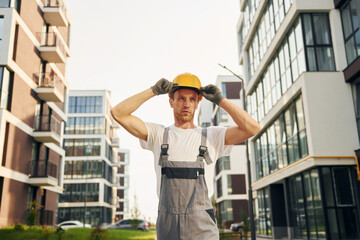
x: 126, y: 46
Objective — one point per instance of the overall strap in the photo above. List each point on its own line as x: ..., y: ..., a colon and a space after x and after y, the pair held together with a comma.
x: 164, y: 156
x: 203, y: 150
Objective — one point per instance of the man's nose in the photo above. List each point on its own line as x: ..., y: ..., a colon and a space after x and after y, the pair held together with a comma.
x: 187, y: 103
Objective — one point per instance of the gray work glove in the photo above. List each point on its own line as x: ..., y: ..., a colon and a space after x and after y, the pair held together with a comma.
x: 163, y: 86
x: 212, y: 93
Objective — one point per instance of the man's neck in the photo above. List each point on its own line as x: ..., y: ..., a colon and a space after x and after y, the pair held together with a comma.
x: 185, y: 125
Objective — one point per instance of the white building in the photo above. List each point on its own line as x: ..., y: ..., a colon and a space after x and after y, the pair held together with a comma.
x: 231, y: 171
x: 91, y: 160
x: 301, y: 63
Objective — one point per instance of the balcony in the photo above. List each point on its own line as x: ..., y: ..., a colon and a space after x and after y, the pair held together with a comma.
x: 47, y: 129
x: 50, y: 88
x: 52, y: 47
x: 115, y: 142
x: 43, y: 173
x: 55, y: 13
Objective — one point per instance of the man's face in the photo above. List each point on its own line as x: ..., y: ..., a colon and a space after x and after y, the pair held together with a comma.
x: 184, y: 103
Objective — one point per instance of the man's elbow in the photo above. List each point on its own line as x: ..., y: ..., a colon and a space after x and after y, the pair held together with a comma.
x: 115, y: 114
x: 255, y: 130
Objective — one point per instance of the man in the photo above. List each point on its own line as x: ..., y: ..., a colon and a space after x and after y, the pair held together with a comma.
x: 185, y: 154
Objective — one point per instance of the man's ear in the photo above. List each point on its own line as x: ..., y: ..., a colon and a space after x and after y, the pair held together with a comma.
x: 171, y: 101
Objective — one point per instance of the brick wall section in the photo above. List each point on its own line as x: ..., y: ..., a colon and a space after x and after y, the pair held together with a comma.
x: 32, y: 15
x: 14, y: 203
x: 27, y: 56
x: 23, y: 102
x: 18, y: 152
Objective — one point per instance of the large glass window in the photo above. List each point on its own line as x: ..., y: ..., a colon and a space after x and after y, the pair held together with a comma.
x: 263, y: 214
x: 222, y: 163
x: 226, y: 211
x: 6, y: 79
x: 272, y: 17
x: 82, y: 147
x: 350, y: 23
x: 85, y: 125
x: 318, y: 45
x: 286, y: 66
x: 283, y: 142
x: 306, y: 205
x: 219, y: 188
x: 89, y: 104
x: 78, y: 192
x: 87, y: 169
x: 340, y: 202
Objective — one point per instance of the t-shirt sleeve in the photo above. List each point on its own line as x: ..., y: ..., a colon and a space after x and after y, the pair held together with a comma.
x: 155, y: 131
x: 216, y: 136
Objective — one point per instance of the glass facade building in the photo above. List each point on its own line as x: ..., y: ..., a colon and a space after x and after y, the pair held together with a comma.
x: 301, y: 67
x: 90, y: 144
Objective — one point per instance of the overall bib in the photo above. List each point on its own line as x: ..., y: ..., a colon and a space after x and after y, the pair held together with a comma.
x: 185, y: 210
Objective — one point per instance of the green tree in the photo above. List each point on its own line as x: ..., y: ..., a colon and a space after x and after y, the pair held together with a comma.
x: 246, y: 224
x: 135, y: 214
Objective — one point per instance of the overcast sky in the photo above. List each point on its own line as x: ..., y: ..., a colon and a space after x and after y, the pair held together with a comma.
x: 125, y: 46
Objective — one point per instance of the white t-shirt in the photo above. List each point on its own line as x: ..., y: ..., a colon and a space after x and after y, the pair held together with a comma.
x: 184, y: 146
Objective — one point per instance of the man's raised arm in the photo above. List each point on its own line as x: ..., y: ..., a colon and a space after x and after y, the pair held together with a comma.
x: 122, y: 112
x: 246, y: 125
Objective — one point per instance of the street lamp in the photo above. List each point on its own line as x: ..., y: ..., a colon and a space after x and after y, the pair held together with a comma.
x: 251, y: 213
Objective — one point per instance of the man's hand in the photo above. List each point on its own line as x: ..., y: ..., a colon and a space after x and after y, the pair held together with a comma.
x: 212, y: 93
x: 163, y: 86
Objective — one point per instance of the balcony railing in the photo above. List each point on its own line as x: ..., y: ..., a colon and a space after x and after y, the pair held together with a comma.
x: 54, y: 17
x: 42, y: 168
x: 44, y: 124
x: 52, y: 40
x: 50, y: 87
x: 46, y: 217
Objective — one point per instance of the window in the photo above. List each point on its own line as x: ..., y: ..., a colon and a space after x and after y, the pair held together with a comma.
x: 6, y: 81
x: 222, y: 163
x: 340, y: 202
x: 306, y: 205
x: 317, y: 41
x: 263, y: 216
x: 82, y: 147
x: 78, y: 192
x: 272, y: 17
x: 356, y: 97
x: 219, y: 188
x: 283, y: 142
x: 350, y: 23
x: 226, y: 211
x: 85, y: 125
x: 91, y: 104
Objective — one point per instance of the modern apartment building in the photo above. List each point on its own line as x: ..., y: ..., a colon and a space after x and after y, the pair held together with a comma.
x: 34, y: 45
x: 91, y: 161
x: 122, y: 175
x: 301, y: 67
x: 231, y: 171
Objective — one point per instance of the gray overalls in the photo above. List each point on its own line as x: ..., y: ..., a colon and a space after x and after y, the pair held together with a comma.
x: 185, y: 210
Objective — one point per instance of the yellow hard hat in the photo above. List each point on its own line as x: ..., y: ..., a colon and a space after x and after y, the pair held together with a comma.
x: 188, y: 80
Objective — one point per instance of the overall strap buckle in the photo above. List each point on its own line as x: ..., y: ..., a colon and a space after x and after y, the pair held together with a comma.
x: 164, y: 149
x: 202, y: 151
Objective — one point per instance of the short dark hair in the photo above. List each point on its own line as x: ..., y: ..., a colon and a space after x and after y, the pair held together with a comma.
x: 171, y: 94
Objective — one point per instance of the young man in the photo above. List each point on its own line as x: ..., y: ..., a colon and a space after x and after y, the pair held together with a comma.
x: 185, y: 154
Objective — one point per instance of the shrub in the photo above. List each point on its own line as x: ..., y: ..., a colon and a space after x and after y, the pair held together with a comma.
x: 98, y: 233
x: 19, y: 227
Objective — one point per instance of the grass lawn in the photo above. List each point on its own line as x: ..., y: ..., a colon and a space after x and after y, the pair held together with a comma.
x: 73, y: 234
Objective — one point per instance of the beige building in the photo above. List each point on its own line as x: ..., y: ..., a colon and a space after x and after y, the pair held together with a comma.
x: 34, y: 45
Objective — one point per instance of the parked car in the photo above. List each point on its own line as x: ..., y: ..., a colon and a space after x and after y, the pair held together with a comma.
x: 236, y: 227
x: 134, y: 224
x: 72, y: 224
